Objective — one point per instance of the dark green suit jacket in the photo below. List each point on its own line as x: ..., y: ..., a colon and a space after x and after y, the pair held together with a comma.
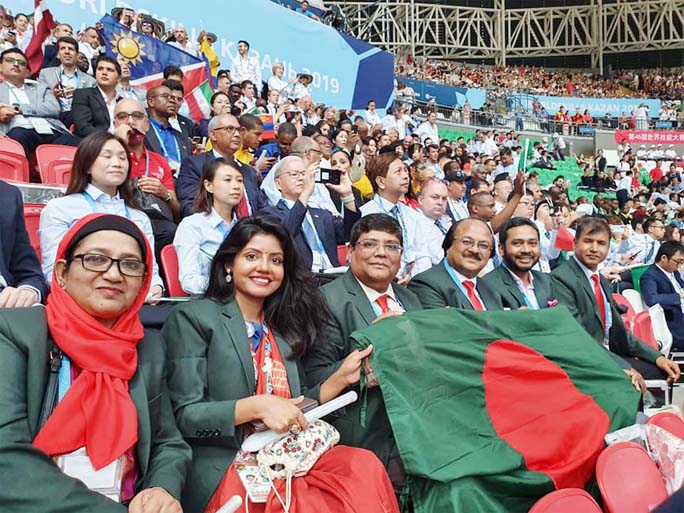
x: 37, y: 485
x: 352, y: 311
x: 503, y: 285
x: 436, y: 289
x: 209, y: 369
x: 575, y: 292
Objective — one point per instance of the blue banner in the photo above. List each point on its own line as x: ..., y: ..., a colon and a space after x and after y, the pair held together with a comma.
x: 346, y: 72
x: 598, y: 107
x: 445, y: 95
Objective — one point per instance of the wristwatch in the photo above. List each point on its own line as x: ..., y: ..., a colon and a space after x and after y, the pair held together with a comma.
x: 169, y: 196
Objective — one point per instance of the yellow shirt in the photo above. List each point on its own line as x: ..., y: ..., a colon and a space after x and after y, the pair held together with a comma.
x: 244, y: 156
x: 364, y: 186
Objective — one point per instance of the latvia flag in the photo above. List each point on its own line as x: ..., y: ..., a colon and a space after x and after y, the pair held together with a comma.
x: 492, y: 410
x: 42, y: 27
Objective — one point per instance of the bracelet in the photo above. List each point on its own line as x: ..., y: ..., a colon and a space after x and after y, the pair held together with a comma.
x: 347, y: 199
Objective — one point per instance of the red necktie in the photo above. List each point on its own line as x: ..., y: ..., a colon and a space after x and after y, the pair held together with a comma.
x: 472, y: 297
x: 382, y: 303
x: 599, y: 297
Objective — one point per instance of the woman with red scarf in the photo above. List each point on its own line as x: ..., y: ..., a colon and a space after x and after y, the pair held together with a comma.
x: 233, y: 360
x: 85, y: 422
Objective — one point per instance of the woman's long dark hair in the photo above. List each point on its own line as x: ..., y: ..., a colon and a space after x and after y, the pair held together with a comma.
x: 88, y: 151
x: 297, y: 310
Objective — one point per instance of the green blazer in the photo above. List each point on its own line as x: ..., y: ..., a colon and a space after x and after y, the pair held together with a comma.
x: 352, y: 311
x: 37, y: 483
x: 575, y: 292
x: 503, y: 285
x: 436, y: 289
x: 210, y: 368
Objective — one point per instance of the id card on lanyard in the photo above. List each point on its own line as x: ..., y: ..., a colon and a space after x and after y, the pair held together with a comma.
x: 175, y: 159
x: 452, y: 275
x: 609, y: 319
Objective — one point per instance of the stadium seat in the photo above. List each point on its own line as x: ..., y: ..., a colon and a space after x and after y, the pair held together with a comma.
x: 629, y: 480
x: 628, y: 317
x: 670, y: 422
x: 643, y: 329
x: 661, y: 332
x: 568, y: 500
x: 13, y: 167
x: 342, y: 254
x: 54, y: 163
x: 32, y: 219
x: 169, y: 265
x: 11, y: 146
x: 634, y: 297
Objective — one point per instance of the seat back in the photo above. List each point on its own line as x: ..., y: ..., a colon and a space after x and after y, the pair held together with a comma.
x: 629, y: 480
x: 169, y: 264
x: 567, y: 500
x: 342, y: 254
x: 13, y: 167
x: 634, y: 297
x: 11, y: 146
x: 642, y: 328
x: 661, y: 331
x: 32, y: 219
x: 628, y: 317
x: 54, y: 163
x: 670, y: 422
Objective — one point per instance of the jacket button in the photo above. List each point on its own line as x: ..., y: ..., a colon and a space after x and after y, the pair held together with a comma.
x: 198, y: 433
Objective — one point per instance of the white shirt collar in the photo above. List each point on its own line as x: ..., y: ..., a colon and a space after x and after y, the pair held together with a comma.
x: 385, y: 203
x: 462, y: 278
x: 373, y: 294
x: 215, y: 219
x: 96, y: 193
x: 587, y: 272
x: 520, y: 283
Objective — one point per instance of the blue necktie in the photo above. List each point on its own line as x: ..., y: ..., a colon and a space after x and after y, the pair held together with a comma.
x: 395, y: 211
x: 650, y: 252
x: 441, y: 227
x: 311, y: 237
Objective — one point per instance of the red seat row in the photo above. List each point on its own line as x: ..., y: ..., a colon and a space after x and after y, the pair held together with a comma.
x: 54, y: 162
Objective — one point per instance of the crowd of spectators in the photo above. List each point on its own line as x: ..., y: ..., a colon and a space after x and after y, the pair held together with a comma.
x: 380, y: 211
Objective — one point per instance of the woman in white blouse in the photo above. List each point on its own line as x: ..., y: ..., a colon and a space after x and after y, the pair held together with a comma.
x: 99, y: 183
x: 277, y: 83
x: 199, y: 235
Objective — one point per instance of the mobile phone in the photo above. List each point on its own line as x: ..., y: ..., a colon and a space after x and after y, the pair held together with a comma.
x: 355, y: 129
x: 329, y: 176
x: 197, y: 139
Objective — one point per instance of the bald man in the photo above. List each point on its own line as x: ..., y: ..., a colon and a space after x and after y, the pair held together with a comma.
x: 162, y: 137
x: 454, y: 282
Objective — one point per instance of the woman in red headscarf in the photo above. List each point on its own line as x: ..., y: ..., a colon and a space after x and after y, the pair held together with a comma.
x: 85, y: 420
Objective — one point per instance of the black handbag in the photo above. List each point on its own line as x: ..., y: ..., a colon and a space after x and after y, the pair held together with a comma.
x: 50, y: 397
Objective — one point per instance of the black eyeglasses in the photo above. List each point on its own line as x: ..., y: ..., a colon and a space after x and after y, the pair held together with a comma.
x: 12, y: 60
x: 102, y: 263
x: 229, y: 129
x: 123, y: 116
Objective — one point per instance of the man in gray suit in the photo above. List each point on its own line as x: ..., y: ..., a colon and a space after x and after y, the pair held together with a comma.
x: 29, y: 112
x: 64, y: 79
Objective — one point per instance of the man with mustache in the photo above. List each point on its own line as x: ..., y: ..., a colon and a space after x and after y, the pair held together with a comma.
x: 587, y: 295
x: 514, y: 281
x: 454, y: 282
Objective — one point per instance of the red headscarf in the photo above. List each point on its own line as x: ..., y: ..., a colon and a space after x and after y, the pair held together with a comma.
x: 97, y: 412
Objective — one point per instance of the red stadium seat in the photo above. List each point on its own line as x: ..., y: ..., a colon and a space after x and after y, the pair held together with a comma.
x: 642, y: 328
x: 568, y: 500
x: 32, y: 218
x: 13, y: 167
x: 627, y: 318
x: 342, y: 254
x: 11, y: 146
x: 54, y: 163
x: 670, y: 422
x: 169, y: 264
x: 629, y: 480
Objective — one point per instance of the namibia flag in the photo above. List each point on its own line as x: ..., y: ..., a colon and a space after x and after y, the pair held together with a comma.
x: 492, y: 410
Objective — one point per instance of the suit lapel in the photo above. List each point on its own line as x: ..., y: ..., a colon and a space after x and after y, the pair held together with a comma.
x: 138, y: 393
x: 359, y: 298
x: 667, y: 279
x: 511, y: 286
x: 236, y: 332
x: 588, y: 290
x: 317, y: 217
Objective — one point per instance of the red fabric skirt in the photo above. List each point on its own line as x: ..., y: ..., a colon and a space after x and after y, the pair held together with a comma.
x: 343, y: 480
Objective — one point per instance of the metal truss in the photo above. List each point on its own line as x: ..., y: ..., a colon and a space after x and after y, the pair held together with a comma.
x: 496, y: 34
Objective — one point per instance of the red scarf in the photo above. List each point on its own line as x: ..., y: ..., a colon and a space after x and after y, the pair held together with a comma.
x: 97, y: 412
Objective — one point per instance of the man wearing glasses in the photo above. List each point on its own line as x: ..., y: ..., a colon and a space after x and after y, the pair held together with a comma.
x: 662, y: 284
x: 93, y: 107
x: 162, y: 137
x: 29, y: 112
x: 454, y: 282
x: 224, y: 132
x: 365, y: 294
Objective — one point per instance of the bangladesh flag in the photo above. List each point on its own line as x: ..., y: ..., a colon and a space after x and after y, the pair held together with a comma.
x: 492, y: 410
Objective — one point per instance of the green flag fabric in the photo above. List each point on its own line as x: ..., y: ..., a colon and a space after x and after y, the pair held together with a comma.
x: 492, y: 410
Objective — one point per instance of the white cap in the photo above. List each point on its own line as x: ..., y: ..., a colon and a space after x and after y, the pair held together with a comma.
x: 585, y: 209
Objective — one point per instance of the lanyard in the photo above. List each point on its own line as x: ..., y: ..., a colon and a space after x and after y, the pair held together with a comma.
x: 93, y: 205
x: 399, y: 217
x: 528, y: 303
x: 455, y: 279
x: 378, y: 311
x: 147, y: 163
x: 64, y: 378
x: 163, y: 146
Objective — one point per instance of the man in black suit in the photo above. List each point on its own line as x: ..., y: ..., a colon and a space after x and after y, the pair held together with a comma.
x: 21, y: 279
x: 92, y: 108
x: 663, y: 284
x: 224, y: 132
x: 162, y: 137
x: 315, y: 231
x: 468, y: 246
x: 516, y: 284
x: 184, y: 125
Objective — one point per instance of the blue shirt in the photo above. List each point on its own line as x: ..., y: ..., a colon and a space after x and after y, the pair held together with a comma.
x: 167, y: 139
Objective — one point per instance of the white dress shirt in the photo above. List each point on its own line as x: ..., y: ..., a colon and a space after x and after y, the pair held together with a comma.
x: 372, y: 118
x: 392, y: 302
x: 280, y: 85
x: 433, y: 236
x: 426, y: 130
x: 641, y: 243
x: 527, y: 291
x: 61, y: 213
x: 459, y: 209
x: 197, y: 239
x: 415, y: 257
x: 246, y: 69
